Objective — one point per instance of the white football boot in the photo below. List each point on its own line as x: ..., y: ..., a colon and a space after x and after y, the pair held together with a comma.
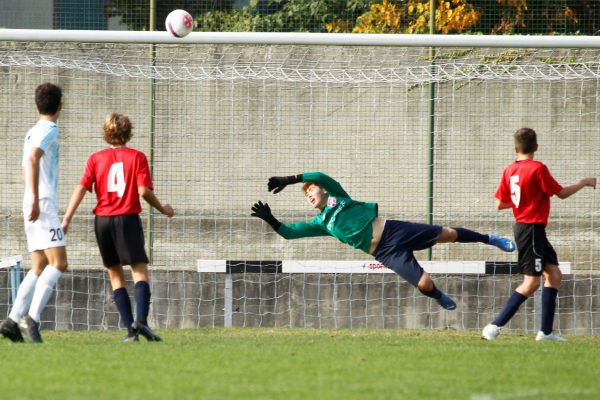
x: 490, y: 332
x: 541, y: 336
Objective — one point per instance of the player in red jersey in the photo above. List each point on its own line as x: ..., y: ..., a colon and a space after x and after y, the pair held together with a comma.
x: 526, y: 187
x: 120, y: 175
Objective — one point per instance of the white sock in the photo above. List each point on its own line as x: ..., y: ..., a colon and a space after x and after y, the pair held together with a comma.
x: 24, y: 296
x: 43, y: 291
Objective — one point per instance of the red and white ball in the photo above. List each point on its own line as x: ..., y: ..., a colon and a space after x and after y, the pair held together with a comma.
x: 179, y: 23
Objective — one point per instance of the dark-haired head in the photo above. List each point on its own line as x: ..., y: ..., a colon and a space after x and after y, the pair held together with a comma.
x: 48, y: 97
x: 526, y: 140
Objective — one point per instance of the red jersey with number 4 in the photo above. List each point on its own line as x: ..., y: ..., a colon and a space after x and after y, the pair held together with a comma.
x: 115, y: 174
x: 528, y: 186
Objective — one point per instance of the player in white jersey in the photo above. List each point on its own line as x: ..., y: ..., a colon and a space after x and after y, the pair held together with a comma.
x: 45, y: 238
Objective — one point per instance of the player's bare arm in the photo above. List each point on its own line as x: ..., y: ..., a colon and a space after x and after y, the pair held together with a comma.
x: 572, y: 189
x: 76, y: 198
x: 500, y: 205
x: 150, y: 197
x: 34, y: 178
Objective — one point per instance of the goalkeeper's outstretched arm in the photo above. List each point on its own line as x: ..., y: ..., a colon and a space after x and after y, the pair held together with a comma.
x: 287, y: 231
x: 263, y: 211
x: 278, y: 183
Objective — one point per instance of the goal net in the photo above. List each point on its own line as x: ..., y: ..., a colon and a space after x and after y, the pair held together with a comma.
x: 424, y: 134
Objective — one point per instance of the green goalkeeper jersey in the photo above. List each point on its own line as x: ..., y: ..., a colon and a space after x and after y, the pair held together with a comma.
x: 347, y: 220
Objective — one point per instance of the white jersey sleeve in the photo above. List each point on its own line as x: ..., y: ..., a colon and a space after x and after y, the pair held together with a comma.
x: 43, y: 135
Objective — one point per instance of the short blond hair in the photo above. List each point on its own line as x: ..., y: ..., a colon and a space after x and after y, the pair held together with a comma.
x: 117, y: 129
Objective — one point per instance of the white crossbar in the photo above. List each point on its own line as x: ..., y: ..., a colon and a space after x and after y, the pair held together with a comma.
x: 300, y: 38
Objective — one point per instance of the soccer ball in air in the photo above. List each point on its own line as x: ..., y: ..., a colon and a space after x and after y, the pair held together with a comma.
x: 179, y: 23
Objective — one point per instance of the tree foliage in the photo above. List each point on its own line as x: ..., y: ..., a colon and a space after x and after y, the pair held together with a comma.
x: 414, y: 15
x: 370, y: 16
x: 289, y: 16
x: 539, y: 16
x: 136, y: 14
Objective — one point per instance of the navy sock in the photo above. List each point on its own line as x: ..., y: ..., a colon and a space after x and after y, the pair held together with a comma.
x: 512, y: 305
x: 123, y: 303
x: 142, y: 301
x: 469, y: 236
x: 434, y: 293
x: 548, y: 308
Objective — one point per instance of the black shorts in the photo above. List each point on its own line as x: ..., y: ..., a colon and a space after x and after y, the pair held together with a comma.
x: 535, y: 251
x: 120, y: 239
x: 399, y: 240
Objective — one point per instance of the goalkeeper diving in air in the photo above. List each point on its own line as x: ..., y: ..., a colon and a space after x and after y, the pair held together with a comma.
x: 357, y: 224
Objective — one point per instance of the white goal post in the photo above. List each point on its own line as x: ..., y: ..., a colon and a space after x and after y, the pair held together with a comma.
x: 303, y: 38
x: 219, y: 113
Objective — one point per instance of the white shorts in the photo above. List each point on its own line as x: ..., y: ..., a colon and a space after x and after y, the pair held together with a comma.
x: 46, y: 231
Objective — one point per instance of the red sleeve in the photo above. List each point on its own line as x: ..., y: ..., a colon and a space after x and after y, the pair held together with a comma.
x: 503, y: 190
x: 548, y: 184
x: 143, y: 177
x: 87, y: 179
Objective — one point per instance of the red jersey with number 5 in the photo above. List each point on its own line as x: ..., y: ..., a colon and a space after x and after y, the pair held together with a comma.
x: 528, y: 186
x: 115, y: 174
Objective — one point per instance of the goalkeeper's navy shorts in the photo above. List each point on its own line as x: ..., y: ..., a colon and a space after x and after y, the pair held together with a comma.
x: 399, y: 240
x: 120, y: 239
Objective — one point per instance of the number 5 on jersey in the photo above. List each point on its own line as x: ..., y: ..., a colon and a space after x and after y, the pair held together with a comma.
x: 515, y: 190
x: 116, y: 179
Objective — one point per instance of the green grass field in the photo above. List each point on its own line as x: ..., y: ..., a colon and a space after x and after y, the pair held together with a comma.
x: 248, y: 363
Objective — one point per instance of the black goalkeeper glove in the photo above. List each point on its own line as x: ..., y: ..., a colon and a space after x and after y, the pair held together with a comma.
x: 263, y: 211
x: 278, y: 183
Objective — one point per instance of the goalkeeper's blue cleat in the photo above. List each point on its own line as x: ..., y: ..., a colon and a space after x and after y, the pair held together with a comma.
x: 503, y: 244
x: 144, y: 330
x: 446, y: 302
x: 10, y: 330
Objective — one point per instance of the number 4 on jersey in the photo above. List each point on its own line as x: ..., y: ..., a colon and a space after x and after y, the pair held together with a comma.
x: 116, y: 179
x: 515, y: 190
